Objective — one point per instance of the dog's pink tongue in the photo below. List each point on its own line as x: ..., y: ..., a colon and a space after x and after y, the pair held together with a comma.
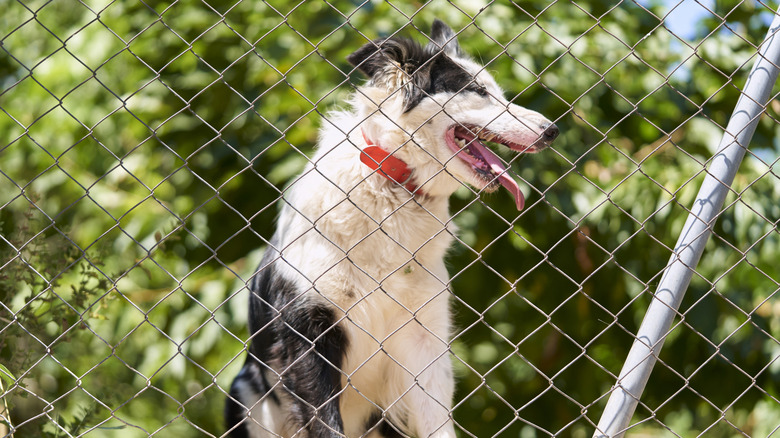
x: 498, y: 167
x: 513, y: 188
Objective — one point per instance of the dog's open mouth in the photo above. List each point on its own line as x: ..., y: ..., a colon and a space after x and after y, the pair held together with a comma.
x: 466, y: 142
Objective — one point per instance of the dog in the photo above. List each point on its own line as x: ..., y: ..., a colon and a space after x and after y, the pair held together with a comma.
x: 349, y: 309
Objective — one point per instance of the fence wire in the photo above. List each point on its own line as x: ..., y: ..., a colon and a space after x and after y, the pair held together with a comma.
x: 145, y: 148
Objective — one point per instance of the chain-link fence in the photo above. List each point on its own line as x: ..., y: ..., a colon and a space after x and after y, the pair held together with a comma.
x: 145, y: 149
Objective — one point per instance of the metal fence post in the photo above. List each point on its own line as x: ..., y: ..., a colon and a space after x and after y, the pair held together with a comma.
x: 694, y: 235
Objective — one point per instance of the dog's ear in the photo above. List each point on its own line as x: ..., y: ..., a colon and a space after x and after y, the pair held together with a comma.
x: 379, y: 55
x: 444, y: 39
x: 363, y: 60
x: 396, y: 62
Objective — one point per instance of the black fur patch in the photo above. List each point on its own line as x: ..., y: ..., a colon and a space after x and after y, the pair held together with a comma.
x: 430, y: 69
x: 313, y: 347
x: 447, y: 76
x: 306, y: 343
x: 235, y: 413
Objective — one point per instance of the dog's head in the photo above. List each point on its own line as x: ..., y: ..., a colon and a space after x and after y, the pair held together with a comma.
x: 433, y: 107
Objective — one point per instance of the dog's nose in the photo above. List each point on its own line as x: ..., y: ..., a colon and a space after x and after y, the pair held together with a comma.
x: 550, y: 132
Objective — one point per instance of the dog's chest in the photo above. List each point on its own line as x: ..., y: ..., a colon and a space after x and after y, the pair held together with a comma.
x: 358, y: 247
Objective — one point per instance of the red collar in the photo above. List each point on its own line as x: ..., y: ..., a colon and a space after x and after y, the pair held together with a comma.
x: 389, y: 166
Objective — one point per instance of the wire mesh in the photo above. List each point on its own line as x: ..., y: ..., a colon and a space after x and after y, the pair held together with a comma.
x: 145, y: 148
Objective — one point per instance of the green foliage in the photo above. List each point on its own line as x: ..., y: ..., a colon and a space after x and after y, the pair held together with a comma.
x: 144, y: 146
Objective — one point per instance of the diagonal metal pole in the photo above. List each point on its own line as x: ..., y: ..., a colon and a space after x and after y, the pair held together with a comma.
x: 694, y: 235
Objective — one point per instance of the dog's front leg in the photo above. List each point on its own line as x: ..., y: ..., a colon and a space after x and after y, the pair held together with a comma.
x: 427, y: 371
x: 432, y: 397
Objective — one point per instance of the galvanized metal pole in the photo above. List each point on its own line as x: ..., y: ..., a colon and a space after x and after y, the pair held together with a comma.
x: 694, y: 235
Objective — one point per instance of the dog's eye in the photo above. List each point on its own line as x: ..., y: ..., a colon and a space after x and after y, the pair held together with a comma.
x: 479, y: 89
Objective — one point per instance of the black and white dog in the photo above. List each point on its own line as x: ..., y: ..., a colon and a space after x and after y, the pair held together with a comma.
x: 349, y: 309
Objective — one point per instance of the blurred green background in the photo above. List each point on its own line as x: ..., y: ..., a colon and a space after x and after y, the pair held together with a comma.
x: 144, y: 146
